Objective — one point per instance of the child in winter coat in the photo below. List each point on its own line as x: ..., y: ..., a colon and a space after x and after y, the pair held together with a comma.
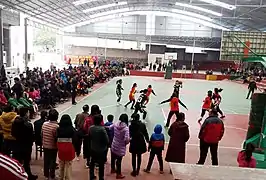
x: 66, y: 151
x: 110, y: 133
x: 118, y: 147
x: 156, y: 146
x: 245, y: 158
x: 107, y: 125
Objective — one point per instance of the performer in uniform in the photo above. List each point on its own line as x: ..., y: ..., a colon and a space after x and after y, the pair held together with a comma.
x: 207, y: 102
x: 217, y: 100
x: 132, y: 96
x: 174, y: 107
x: 150, y: 90
x: 119, y: 90
x: 139, y: 107
x: 177, y: 86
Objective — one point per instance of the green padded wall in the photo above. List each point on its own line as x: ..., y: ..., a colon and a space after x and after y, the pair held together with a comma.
x: 257, y: 116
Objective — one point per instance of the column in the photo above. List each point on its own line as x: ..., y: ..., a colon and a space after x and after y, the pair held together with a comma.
x: 1, y: 40
x: 105, y: 49
x: 26, y: 42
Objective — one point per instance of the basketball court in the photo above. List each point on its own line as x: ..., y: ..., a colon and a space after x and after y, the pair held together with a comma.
x: 234, y: 105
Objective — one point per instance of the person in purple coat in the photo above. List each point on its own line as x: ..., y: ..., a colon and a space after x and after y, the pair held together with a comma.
x: 120, y: 141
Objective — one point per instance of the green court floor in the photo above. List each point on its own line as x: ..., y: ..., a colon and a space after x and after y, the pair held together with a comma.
x: 192, y: 94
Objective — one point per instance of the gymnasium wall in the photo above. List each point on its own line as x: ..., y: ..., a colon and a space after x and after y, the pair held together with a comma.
x: 111, y: 53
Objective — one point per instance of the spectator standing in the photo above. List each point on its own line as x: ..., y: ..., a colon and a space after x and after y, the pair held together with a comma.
x: 74, y: 84
x: 139, y: 136
x: 211, y: 132
x: 49, y: 144
x: 251, y: 88
x: 179, y: 135
x: 89, y: 121
x: 156, y: 147
x: 79, y: 123
x: 6, y: 121
x: 66, y: 150
x: 38, y: 128
x: 22, y: 131
x: 17, y: 88
x: 11, y: 169
x: 118, y: 147
x: 245, y: 158
x: 98, y: 140
x: 110, y: 131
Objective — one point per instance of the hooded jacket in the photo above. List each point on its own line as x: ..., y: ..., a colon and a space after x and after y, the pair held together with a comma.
x: 6, y: 121
x: 121, y: 138
x: 157, y: 139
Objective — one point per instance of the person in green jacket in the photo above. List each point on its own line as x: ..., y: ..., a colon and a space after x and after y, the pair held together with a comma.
x: 14, y: 102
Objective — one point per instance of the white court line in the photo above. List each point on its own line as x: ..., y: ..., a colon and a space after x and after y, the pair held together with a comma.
x: 87, y: 96
x: 232, y: 127
x: 164, y: 115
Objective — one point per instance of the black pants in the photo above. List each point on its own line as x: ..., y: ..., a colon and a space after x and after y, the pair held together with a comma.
x: 78, y: 142
x: 97, y: 157
x: 138, y: 108
x: 204, y: 148
x: 74, y: 94
x: 118, y: 97
x: 133, y: 103
x: 250, y: 91
x: 219, y: 110
x: 8, y: 146
x: 203, y: 111
x: 159, y: 157
x: 23, y: 156
x: 86, y: 150
x: 170, y: 114
x: 116, y: 161
x: 49, y: 159
x: 136, y: 162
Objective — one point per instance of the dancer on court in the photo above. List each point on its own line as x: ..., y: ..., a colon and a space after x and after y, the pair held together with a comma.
x: 217, y: 100
x: 132, y: 96
x: 139, y: 107
x: 150, y: 90
x: 207, y: 103
x: 177, y: 86
x: 174, y: 107
x: 119, y: 90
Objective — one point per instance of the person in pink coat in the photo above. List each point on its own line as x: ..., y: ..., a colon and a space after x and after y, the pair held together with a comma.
x: 245, y: 158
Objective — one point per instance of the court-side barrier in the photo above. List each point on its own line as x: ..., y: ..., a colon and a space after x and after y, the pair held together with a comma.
x: 262, y: 84
x: 199, y: 172
x: 177, y: 75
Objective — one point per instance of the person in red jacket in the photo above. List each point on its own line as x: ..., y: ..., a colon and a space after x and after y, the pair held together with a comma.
x: 10, y: 169
x: 206, y: 105
x: 89, y: 121
x: 66, y: 152
x: 3, y: 100
x: 211, y: 132
x: 174, y: 107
